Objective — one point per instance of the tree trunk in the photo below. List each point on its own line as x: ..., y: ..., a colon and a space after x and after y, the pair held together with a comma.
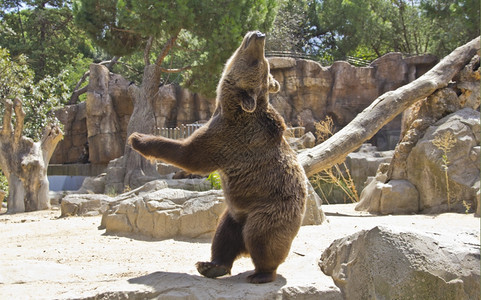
x: 383, y: 110
x: 25, y: 162
x: 139, y: 170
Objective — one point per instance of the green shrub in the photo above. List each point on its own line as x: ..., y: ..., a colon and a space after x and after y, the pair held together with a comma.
x: 3, y: 184
x: 214, y: 179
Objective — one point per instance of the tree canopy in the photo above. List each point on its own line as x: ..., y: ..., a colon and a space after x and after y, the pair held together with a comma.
x: 39, y: 99
x: 375, y: 27
x: 333, y: 30
x: 44, y: 31
x: 295, y: 24
x: 205, y: 32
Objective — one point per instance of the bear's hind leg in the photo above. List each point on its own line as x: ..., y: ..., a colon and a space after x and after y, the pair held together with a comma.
x: 268, y: 243
x: 227, y: 245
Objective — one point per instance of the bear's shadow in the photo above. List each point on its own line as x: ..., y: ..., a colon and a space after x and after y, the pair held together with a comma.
x: 174, y: 283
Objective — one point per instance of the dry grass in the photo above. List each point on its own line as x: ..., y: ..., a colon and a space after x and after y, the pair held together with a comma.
x: 339, y: 174
x: 445, y: 142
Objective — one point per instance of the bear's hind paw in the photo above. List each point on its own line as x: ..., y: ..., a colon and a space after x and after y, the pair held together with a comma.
x: 262, y: 277
x: 211, y: 270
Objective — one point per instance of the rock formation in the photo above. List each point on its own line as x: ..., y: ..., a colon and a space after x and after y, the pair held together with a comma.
x: 157, y: 211
x: 388, y: 263
x: 365, y: 163
x: 308, y: 93
x: 74, y: 146
x: 103, y: 120
x: 415, y: 180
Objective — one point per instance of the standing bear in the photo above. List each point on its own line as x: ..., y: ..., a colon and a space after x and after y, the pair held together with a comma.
x: 264, y: 185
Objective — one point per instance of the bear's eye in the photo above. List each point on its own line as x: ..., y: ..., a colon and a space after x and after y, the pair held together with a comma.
x: 255, y: 62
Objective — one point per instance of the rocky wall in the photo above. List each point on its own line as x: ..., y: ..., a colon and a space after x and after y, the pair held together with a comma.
x: 95, y: 130
x: 310, y: 92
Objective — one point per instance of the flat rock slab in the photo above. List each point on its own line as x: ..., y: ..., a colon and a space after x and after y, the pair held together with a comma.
x: 46, y: 257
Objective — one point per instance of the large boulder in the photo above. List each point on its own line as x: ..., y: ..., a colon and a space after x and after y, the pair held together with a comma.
x: 424, y: 187
x: 426, y: 167
x: 387, y: 263
x: 314, y: 214
x: 158, y: 211
x: 84, y: 205
x: 166, y: 213
x: 93, y: 185
x: 438, y: 154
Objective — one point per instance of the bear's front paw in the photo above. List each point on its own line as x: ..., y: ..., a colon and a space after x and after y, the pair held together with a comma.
x: 211, y: 270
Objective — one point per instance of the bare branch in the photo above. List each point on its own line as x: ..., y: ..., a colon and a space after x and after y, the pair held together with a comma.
x: 112, y: 62
x: 79, y: 91
x: 383, y: 110
x: 168, y: 45
x: 148, y: 46
x: 175, y: 70
x: 124, y: 30
x: 76, y: 94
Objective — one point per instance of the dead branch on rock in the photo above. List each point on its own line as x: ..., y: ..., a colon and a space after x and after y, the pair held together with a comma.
x: 25, y: 162
x: 384, y: 109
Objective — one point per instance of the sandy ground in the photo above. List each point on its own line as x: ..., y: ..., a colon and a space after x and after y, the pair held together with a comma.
x: 43, y: 256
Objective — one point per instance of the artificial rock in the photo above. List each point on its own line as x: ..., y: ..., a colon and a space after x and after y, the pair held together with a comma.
x: 309, y: 92
x: 390, y: 263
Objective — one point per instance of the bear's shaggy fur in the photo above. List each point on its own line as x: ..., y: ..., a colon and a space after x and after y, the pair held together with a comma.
x: 264, y: 185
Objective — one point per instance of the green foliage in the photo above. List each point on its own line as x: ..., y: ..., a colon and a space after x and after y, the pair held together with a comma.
x: 45, y: 33
x: 294, y: 26
x: 366, y: 27
x: 39, y: 100
x: 74, y: 71
x: 208, y: 32
x: 105, y: 26
x: 454, y: 22
x: 16, y: 76
x: 3, y: 184
x: 214, y: 179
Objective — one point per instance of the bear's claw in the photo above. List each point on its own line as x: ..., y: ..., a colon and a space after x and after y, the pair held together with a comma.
x: 211, y: 270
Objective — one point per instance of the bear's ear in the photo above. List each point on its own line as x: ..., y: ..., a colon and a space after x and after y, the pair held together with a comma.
x: 249, y: 101
x: 274, y: 86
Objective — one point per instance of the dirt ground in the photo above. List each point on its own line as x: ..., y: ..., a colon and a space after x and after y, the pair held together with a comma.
x: 43, y: 256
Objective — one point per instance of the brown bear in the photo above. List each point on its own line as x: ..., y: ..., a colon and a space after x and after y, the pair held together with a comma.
x: 264, y: 185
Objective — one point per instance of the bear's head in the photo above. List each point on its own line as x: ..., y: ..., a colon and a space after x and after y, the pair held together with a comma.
x: 246, y: 81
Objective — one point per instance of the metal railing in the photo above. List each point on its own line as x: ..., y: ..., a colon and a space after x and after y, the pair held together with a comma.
x: 181, y: 132
x: 355, y: 61
x: 186, y: 130
x: 289, y: 54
